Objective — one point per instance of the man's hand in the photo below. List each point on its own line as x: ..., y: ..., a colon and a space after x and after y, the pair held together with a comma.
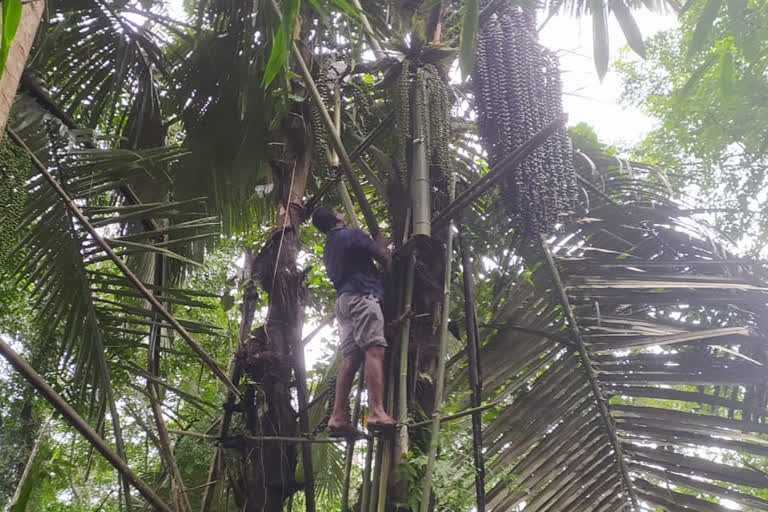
x: 385, y: 256
x: 383, y: 240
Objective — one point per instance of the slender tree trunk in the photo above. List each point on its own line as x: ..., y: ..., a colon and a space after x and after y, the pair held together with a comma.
x: 17, y: 57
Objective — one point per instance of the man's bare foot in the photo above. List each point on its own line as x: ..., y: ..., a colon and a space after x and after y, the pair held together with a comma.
x: 342, y: 429
x: 380, y: 421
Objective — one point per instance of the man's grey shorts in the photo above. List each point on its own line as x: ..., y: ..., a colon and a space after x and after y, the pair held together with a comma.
x: 361, y: 322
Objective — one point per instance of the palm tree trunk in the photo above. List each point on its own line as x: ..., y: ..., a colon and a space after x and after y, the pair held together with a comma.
x: 266, y: 476
x: 17, y: 57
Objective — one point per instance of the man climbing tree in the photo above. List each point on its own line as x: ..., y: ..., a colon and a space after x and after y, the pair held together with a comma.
x: 348, y: 257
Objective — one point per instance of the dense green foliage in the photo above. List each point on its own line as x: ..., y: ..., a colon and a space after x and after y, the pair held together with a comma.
x: 712, y: 137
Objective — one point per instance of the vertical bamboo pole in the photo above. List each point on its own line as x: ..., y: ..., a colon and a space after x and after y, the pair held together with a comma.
x: 402, y: 390
x: 402, y: 397
x: 420, y: 186
x: 351, y: 443
x: 300, y: 372
x: 435, y: 430
x: 475, y: 382
x: 373, y: 501
x: 366, y: 490
x: 341, y: 187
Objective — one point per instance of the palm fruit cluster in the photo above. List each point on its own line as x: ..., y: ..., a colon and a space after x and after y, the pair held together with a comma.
x: 518, y: 91
x: 321, y: 147
x: 14, y: 171
x: 427, y: 92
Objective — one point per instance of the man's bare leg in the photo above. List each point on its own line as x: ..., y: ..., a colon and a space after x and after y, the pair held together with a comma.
x: 344, y: 380
x: 374, y: 375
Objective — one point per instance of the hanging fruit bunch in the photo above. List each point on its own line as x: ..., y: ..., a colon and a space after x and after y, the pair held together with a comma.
x: 518, y: 90
x: 434, y: 107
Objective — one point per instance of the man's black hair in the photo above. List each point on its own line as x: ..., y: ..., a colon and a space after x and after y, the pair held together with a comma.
x: 324, y: 218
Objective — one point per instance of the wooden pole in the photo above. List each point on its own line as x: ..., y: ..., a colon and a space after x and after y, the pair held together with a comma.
x: 434, y: 439
x: 36, y: 381
x: 207, y: 359
x: 475, y: 382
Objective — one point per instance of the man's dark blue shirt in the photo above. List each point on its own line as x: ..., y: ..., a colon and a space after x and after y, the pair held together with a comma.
x: 348, y: 257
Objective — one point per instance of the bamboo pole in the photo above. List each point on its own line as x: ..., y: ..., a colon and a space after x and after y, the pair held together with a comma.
x: 351, y: 444
x: 365, y: 493
x: 300, y: 372
x: 375, y: 45
x: 434, y: 439
x: 179, y: 496
x: 402, y: 388
x: 481, y: 186
x: 475, y: 381
x: 420, y: 185
x: 346, y: 163
x: 259, y: 439
x: 591, y: 376
x: 207, y: 359
x: 34, y: 379
x: 341, y: 188
x: 354, y: 156
x: 373, y: 501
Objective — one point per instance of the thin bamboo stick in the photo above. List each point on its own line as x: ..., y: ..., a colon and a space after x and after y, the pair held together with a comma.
x: 341, y: 188
x: 475, y: 379
x: 354, y: 156
x: 434, y: 439
x: 346, y: 163
x: 179, y: 496
x: 207, y: 359
x: 266, y: 439
x: 402, y: 390
x: 34, y: 379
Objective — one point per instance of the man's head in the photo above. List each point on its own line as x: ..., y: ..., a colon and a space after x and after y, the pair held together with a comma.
x: 325, y: 218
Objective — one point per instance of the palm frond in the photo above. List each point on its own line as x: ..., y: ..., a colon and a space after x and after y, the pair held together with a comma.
x: 84, y: 304
x: 667, y: 336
